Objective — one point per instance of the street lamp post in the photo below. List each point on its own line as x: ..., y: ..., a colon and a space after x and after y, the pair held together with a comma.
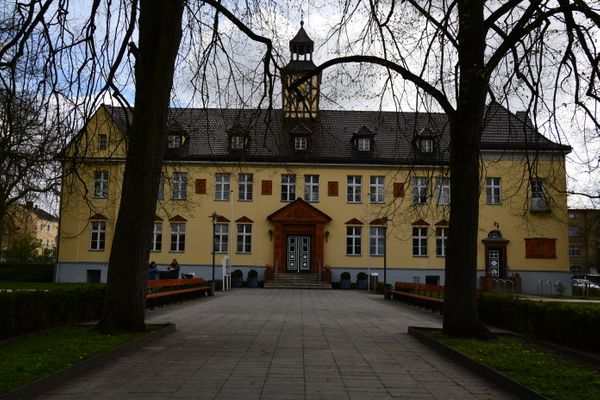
x: 385, y: 221
x: 213, y: 216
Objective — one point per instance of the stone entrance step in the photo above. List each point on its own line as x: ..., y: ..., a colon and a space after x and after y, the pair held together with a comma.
x: 297, y: 281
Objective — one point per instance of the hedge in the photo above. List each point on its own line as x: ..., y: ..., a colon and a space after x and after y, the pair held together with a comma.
x: 25, y: 311
x: 27, y: 272
x: 569, y: 324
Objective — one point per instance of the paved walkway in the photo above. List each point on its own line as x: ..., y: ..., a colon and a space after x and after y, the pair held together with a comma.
x: 285, y: 344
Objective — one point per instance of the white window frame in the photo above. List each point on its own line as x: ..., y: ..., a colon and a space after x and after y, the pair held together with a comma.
x: 443, y: 191
x: 97, y: 235
x: 419, y: 245
x: 573, y: 230
x: 244, y: 238
x: 311, y: 188
x: 537, y: 189
x: 364, y: 144
x: 245, y: 187
x: 174, y: 141
x: 288, y: 187
x: 102, y: 141
x: 420, y: 188
x: 353, y: 240
x: 161, y: 187
x: 354, y: 189
x: 177, y: 237
x: 427, y: 145
x: 300, y: 143
x: 222, y: 186
x: 574, y: 250
x: 237, y: 142
x: 157, y: 237
x: 179, y: 186
x: 441, y: 241
x: 376, y: 238
x: 493, y: 190
x: 376, y: 189
x: 221, y: 237
x: 101, y: 184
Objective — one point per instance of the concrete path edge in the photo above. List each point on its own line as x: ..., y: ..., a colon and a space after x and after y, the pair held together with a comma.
x: 45, y: 384
x: 482, y: 370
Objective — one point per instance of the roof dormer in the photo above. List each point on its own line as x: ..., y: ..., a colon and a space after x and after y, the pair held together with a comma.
x: 301, y: 135
x: 363, y: 140
x: 425, y: 141
x: 238, y: 138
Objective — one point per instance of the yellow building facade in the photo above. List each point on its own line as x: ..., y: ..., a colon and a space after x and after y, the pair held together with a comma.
x: 303, y: 190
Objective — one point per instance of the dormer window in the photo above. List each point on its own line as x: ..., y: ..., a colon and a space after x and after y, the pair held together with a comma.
x: 362, y: 140
x: 300, y: 143
x: 427, y: 145
x: 174, y: 141
x: 364, y: 144
x: 238, y: 138
x: 102, y: 141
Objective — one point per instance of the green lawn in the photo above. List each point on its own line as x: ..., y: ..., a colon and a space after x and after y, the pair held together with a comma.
x: 26, y: 360
x: 554, y: 375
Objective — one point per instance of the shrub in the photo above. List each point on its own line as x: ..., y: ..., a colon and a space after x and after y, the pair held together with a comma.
x: 27, y: 272
x: 237, y: 274
x: 345, y: 276
x: 26, y: 311
x: 361, y: 276
x: 569, y: 324
x: 252, y: 274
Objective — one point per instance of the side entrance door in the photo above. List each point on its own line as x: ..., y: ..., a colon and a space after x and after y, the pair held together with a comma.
x: 298, y: 253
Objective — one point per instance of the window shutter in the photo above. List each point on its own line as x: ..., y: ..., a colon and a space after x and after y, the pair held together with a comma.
x: 540, y: 248
x: 200, y: 186
x: 267, y: 188
x: 332, y: 188
x: 398, y: 189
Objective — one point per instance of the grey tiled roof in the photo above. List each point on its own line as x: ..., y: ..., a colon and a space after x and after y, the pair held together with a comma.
x: 330, y: 142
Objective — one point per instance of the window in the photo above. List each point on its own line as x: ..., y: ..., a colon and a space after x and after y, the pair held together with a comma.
x: 98, y: 235
x: 244, y: 238
x: 354, y: 189
x: 288, y: 187
x: 572, y: 215
x: 573, y: 230
x: 443, y: 191
x: 157, y: 237
x: 427, y: 145
x: 237, y: 143
x: 537, y: 189
x: 432, y: 279
x: 376, y: 189
x: 574, y: 250
x: 364, y: 144
x: 245, y: 187
x: 173, y: 141
x: 101, y: 184
x: 420, y: 190
x: 222, y: 187
x: 311, y: 188
x: 419, y: 241
x: 102, y: 141
x: 179, y: 185
x: 376, y: 240
x: 492, y: 190
x: 300, y: 143
x: 221, y: 238
x: 178, y: 237
x: 93, y: 275
x: 161, y: 187
x: 353, y: 241
x: 441, y: 241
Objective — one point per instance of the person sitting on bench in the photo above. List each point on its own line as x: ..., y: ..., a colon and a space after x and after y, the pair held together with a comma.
x: 174, y: 267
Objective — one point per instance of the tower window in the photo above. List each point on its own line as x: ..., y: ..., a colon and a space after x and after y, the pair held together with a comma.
x: 300, y: 143
x: 364, y: 144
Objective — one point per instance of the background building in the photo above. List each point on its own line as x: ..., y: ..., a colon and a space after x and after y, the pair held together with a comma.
x: 584, y: 241
x: 301, y: 190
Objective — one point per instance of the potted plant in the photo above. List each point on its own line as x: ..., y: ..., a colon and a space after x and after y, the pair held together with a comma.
x: 252, y: 278
x: 361, y: 281
x: 237, y: 278
x: 345, y: 281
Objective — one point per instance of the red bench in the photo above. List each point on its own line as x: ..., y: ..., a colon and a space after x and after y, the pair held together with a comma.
x: 173, y: 290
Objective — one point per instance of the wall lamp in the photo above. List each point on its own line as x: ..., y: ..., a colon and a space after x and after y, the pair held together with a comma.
x: 270, y: 235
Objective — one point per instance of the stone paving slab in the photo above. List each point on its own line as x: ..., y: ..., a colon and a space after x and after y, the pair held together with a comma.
x: 284, y: 344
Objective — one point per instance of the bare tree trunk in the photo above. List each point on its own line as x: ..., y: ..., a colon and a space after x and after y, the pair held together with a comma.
x: 460, y: 307
x: 159, y: 39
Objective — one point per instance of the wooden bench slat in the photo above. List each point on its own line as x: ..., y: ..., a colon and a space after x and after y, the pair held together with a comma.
x: 176, y: 292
